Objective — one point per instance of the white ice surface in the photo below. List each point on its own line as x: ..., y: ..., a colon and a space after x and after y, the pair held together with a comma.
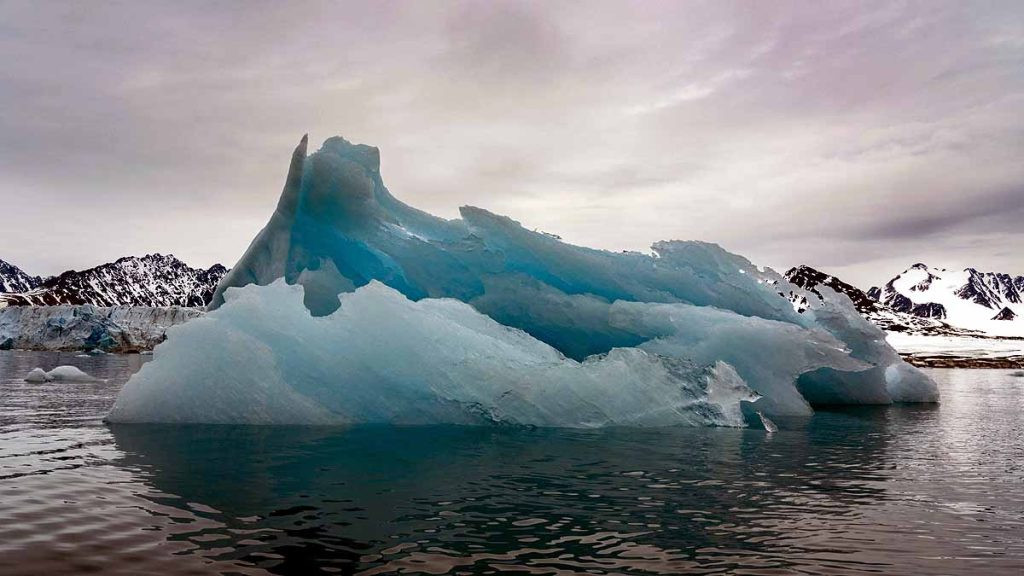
x: 262, y: 358
x: 59, y: 374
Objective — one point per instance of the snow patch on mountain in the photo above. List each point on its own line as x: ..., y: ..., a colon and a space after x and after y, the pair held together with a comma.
x: 904, y: 317
x: 352, y: 306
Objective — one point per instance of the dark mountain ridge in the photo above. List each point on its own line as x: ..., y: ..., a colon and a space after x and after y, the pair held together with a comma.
x: 151, y: 280
x: 14, y: 279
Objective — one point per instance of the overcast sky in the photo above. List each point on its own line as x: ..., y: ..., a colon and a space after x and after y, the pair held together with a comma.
x: 856, y: 137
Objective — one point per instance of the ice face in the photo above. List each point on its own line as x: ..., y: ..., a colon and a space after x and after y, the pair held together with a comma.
x: 381, y: 358
x: 493, y: 308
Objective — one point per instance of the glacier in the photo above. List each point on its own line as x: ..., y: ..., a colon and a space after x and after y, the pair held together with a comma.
x: 122, y: 329
x: 353, y: 307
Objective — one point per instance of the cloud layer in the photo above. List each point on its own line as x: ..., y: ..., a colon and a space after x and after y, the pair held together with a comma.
x: 858, y: 137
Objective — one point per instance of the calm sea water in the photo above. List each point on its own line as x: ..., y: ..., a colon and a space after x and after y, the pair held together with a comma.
x: 887, y: 490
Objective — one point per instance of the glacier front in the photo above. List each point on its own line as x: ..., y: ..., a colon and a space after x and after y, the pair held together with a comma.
x: 352, y: 307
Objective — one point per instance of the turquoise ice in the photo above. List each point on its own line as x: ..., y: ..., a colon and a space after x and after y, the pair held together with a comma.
x: 351, y: 306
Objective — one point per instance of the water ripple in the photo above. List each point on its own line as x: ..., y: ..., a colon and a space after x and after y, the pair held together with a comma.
x: 889, y: 490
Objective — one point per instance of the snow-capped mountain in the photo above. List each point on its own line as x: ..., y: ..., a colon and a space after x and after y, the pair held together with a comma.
x: 151, y: 280
x: 809, y: 279
x: 879, y: 314
x: 14, y: 279
x: 987, y: 302
x: 931, y: 301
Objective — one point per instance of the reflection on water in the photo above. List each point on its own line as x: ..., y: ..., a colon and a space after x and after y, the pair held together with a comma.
x: 892, y: 490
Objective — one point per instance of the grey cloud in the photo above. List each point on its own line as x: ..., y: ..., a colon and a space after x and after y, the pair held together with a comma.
x: 1003, y: 211
x: 853, y: 136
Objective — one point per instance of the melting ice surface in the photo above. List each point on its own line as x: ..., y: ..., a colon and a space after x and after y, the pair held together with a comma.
x: 352, y: 307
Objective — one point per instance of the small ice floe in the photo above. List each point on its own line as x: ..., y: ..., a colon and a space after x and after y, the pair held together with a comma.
x: 59, y: 374
x: 37, y: 375
x: 769, y: 426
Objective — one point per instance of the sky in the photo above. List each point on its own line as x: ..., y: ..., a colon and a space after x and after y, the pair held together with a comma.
x: 857, y: 137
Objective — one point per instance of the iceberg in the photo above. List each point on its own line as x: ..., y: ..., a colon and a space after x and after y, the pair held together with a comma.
x: 37, y: 376
x: 59, y: 374
x: 353, y: 307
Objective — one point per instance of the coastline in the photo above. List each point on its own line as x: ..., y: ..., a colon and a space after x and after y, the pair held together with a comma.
x: 950, y: 361
x: 958, y: 351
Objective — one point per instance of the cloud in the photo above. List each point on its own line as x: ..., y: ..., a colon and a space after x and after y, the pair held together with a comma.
x: 854, y: 136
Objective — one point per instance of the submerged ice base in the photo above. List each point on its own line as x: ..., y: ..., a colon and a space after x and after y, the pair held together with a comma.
x: 350, y: 306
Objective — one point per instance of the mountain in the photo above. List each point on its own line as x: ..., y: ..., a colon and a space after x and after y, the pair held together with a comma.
x: 809, y: 279
x: 933, y: 301
x: 151, y: 280
x: 880, y: 314
x: 988, y: 302
x: 14, y: 279
x: 1005, y: 314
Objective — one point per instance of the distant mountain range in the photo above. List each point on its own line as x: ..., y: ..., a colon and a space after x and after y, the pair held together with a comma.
x: 151, y: 280
x: 929, y: 300
x: 920, y: 300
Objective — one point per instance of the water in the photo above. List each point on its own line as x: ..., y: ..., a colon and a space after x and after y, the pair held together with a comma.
x: 887, y: 490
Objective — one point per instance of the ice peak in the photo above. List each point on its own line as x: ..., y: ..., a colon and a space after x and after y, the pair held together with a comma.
x: 368, y: 157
